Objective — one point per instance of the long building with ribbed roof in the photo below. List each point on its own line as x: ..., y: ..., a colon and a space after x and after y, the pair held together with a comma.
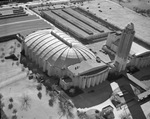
x: 61, y: 55
x: 55, y: 49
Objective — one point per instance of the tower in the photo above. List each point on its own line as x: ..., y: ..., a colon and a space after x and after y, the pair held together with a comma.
x: 124, y: 47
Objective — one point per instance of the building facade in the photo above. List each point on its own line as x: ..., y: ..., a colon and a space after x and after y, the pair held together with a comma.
x: 126, y: 51
x: 124, y: 47
x: 54, y: 51
x: 88, y: 73
x: 61, y: 55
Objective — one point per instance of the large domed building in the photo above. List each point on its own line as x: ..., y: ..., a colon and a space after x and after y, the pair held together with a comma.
x: 54, y: 51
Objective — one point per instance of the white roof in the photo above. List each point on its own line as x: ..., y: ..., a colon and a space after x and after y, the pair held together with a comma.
x: 137, y: 49
x: 86, y: 66
x: 57, y: 48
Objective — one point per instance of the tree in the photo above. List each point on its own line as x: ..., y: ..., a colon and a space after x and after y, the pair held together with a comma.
x: 53, y: 96
x: 39, y: 95
x: 47, y: 84
x: 51, y: 103
x: 39, y: 87
x: 25, y: 102
x: 15, y: 111
x: 82, y: 115
x: 14, y: 117
x: 66, y: 108
x: 10, y: 106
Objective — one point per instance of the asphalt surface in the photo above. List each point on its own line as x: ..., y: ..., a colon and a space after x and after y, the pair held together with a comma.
x: 23, y: 25
x: 133, y: 105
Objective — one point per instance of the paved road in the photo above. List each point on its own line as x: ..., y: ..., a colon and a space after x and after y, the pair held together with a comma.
x: 133, y: 105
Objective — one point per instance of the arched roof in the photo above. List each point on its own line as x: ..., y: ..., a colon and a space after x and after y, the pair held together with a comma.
x: 57, y: 48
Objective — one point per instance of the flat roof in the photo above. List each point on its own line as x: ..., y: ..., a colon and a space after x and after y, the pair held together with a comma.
x: 67, y: 24
x: 120, y: 17
x: 76, y: 22
x: 23, y: 25
x: 85, y: 67
x: 138, y: 49
x: 97, y: 48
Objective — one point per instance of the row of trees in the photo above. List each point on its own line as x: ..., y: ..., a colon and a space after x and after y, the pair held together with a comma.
x: 142, y: 11
x: 65, y: 105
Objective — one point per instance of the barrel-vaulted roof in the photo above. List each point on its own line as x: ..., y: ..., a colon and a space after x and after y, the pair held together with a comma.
x: 57, y: 48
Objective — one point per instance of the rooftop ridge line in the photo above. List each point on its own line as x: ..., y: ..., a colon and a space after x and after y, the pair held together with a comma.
x: 61, y: 39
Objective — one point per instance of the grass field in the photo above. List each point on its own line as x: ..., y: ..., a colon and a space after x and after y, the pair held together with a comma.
x: 141, y: 4
x: 36, y: 108
x: 120, y: 17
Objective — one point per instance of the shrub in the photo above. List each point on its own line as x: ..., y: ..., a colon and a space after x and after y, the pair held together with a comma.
x: 51, y: 102
x: 39, y: 95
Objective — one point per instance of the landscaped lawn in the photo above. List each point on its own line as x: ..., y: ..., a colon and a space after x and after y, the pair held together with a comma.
x: 142, y: 4
x: 36, y: 108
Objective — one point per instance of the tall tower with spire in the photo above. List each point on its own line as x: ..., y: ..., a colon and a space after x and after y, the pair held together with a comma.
x: 124, y: 47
